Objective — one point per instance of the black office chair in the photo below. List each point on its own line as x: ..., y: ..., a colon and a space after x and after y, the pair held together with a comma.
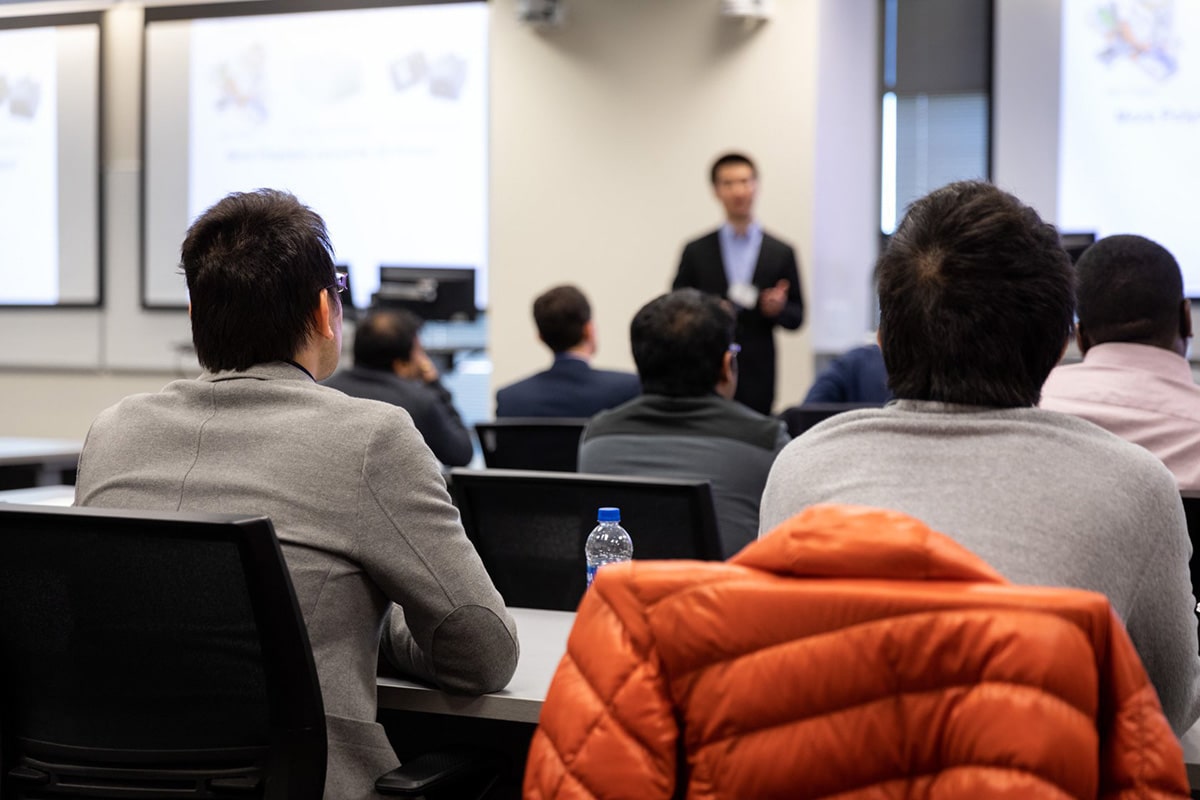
x: 152, y: 655
x: 163, y: 655
x: 800, y: 418
x: 541, y: 443
x: 1191, y: 512
x: 530, y: 527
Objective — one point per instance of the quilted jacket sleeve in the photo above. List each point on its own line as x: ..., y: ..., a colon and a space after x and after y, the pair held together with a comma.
x: 1139, y: 755
x: 607, y: 729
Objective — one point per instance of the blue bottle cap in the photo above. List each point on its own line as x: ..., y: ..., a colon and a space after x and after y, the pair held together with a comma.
x: 608, y: 514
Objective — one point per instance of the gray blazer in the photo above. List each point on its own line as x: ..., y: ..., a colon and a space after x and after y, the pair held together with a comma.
x: 373, y: 543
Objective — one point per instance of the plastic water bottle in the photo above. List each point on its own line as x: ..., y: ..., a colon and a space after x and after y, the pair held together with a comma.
x: 607, y: 543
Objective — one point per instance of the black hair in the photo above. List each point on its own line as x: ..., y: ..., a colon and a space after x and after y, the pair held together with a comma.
x: 385, y: 336
x: 679, y: 343
x: 725, y: 160
x: 1129, y: 289
x: 561, y: 314
x: 255, y: 264
x: 976, y: 299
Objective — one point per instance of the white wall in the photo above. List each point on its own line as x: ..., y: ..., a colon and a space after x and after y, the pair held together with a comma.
x: 601, y: 135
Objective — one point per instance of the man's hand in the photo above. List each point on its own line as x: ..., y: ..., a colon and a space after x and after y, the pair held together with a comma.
x: 771, y: 301
x: 419, y: 367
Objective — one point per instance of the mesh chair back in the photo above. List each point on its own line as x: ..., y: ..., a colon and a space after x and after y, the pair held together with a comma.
x: 800, y: 418
x: 541, y: 443
x: 152, y: 655
x: 1191, y: 512
x: 530, y: 527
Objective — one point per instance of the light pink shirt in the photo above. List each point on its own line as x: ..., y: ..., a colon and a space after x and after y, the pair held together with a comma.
x: 1143, y: 394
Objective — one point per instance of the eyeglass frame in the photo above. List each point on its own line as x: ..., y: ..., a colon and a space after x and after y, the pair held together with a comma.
x: 341, y: 282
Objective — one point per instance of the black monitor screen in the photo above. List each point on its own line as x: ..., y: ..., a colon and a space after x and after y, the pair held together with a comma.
x: 441, y: 293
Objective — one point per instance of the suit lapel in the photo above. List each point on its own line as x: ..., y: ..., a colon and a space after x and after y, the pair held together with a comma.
x: 720, y: 283
x: 761, y: 278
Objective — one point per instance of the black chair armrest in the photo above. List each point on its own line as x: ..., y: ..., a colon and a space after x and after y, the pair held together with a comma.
x: 450, y: 769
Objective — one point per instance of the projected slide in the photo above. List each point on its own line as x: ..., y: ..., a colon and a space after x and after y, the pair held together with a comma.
x: 376, y: 118
x: 48, y: 88
x: 1129, y: 146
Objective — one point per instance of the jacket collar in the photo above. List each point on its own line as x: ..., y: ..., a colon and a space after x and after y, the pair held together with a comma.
x: 844, y: 541
x: 271, y: 371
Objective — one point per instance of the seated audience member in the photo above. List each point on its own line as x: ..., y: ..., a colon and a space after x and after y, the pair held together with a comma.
x: 390, y: 365
x: 850, y: 653
x: 856, y: 376
x: 570, y: 388
x: 976, y: 299
x: 1133, y: 330
x: 357, y: 498
x: 686, y: 424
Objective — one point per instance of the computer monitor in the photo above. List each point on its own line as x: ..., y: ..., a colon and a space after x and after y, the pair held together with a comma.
x: 1076, y: 243
x: 439, y: 293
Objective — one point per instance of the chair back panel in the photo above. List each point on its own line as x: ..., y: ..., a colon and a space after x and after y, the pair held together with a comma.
x: 154, y: 642
x: 530, y: 527
x: 537, y: 443
x: 800, y: 418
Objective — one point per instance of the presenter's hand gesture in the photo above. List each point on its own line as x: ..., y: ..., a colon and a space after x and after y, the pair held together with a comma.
x: 771, y: 301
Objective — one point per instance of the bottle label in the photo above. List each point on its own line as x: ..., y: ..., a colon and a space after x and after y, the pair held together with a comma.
x: 591, y: 573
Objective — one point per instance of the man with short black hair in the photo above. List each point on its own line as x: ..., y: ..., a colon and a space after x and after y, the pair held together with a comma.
x: 391, y: 365
x: 371, y: 538
x: 685, y: 424
x: 976, y: 300
x: 570, y: 388
x: 752, y: 270
x: 1133, y: 330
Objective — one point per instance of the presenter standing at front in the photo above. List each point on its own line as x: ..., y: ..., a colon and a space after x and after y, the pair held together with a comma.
x: 753, y: 270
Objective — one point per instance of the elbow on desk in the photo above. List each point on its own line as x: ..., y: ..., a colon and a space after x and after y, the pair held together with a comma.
x: 475, y: 650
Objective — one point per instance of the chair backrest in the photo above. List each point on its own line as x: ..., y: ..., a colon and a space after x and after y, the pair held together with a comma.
x: 530, y: 527
x: 542, y: 443
x: 152, y: 654
x: 1191, y: 512
x: 802, y: 417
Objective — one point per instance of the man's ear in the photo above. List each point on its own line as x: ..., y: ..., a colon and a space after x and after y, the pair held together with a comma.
x: 1081, y: 338
x: 324, y: 317
x: 727, y: 382
x: 1185, y: 319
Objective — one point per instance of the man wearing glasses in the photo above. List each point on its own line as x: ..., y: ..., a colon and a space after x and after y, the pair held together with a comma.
x: 686, y: 424
x: 357, y: 498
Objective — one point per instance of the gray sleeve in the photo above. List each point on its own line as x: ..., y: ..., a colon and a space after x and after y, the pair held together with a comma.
x: 1162, y: 618
x: 451, y: 626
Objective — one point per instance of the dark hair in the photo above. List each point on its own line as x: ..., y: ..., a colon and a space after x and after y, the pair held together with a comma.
x: 727, y: 159
x: 975, y: 299
x: 255, y: 263
x: 1129, y: 290
x: 561, y: 314
x: 679, y: 343
x: 385, y: 335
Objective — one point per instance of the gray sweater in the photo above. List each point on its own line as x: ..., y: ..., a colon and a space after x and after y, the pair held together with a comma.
x: 696, y: 438
x: 1045, y: 498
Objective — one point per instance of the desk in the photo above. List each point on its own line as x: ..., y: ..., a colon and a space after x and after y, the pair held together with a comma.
x: 40, y: 496
x: 36, y: 462
x: 543, y: 637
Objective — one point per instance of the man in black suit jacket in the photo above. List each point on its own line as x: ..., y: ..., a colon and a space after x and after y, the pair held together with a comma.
x: 570, y: 388
x: 754, y: 271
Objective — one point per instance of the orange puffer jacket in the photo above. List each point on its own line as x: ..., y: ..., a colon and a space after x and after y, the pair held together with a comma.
x: 851, y: 652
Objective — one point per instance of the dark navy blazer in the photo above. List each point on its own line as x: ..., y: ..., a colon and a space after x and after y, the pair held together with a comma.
x: 570, y: 388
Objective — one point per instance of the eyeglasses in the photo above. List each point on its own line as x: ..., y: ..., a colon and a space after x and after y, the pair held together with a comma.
x: 341, y: 282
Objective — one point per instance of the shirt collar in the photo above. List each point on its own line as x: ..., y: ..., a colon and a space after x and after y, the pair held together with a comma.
x: 727, y: 232
x: 1145, y: 357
